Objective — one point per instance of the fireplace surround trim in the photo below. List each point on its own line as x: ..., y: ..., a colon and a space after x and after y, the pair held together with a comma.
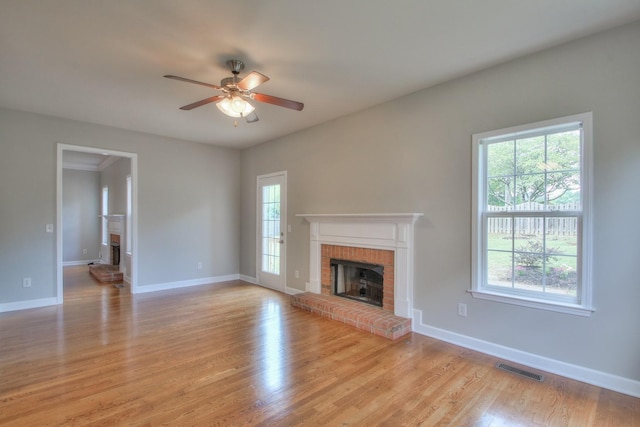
x: 390, y: 231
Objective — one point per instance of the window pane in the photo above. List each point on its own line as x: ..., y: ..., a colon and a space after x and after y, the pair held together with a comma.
x: 562, y: 235
x: 499, y: 235
x: 530, y: 179
x: 500, y: 159
x: 499, y: 265
x: 529, y: 260
x: 500, y: 193
x: 563, y: 188
x: 563, y: 151
x: 530, y: 155
x: 528, y: 251
x: 528, y: 278
x: 562, y: 275
x: 271, y: 229
x: 530, y: 192
x: 528, y: 227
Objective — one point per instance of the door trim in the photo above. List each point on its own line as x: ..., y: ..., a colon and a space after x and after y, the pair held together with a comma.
x: 283, y: 214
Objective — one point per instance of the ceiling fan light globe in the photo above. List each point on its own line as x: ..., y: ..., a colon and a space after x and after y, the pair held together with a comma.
x: 237, y: 104
x: 226, y: 106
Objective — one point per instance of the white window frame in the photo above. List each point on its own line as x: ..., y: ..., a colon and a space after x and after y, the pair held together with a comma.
x: 582, y: 305
x: 105, y: 212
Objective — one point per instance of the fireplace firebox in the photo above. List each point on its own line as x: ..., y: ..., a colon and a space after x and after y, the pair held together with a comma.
x: 357, y: 280
x: 114, y: 243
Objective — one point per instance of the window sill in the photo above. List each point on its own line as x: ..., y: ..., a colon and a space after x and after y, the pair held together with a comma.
x: 573, y: 309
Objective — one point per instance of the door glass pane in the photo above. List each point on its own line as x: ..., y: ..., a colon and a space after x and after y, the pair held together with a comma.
x: 271, y: 229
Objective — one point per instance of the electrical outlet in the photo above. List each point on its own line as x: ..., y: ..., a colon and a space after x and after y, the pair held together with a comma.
x: 297, y: 274
x: 462, y: 309
x: 84, y: 252
x: 49, y: 228
x: 26, y: 282
x: 199, y: 265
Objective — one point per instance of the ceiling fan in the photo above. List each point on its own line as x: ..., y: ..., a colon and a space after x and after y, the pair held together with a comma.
x: 233, y: 100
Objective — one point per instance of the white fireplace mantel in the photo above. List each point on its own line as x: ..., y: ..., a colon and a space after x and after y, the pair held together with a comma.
x: 390, y: 231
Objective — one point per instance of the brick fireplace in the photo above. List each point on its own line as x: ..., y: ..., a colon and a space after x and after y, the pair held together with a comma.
x: 381, y: 239
x: 365, y: 255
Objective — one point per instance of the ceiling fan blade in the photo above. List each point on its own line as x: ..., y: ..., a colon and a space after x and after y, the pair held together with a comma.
x: 252, y: 117
x: 251, y: 80
x: 203, y: 102
x: 182, y: 79
x: 280, y: 102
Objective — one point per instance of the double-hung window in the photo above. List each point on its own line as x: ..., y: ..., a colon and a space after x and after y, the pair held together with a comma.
x: 531, y: 215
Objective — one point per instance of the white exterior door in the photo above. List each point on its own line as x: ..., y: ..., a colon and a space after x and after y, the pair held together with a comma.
x: 271, y: 244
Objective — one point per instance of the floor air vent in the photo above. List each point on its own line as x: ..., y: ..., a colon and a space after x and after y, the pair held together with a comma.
x: 521, y: 372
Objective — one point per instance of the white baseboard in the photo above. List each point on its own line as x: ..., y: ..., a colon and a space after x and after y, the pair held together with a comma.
x: 292, y: 291
x: 574, y: 372
x: 23, y: 305
x: 249, y: 279
x: 254, y: 281
x: 80, y: 262
x: 185, y: 283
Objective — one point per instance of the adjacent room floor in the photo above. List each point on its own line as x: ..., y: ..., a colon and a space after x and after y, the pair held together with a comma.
x: 238, y: 354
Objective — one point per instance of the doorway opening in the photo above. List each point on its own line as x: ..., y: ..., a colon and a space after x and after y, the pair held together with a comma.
x: 90, y: 157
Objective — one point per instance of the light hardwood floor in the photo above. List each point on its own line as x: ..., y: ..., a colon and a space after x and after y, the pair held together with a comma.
x: 237, y: 354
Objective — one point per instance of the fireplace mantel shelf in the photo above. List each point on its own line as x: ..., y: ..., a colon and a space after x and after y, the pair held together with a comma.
x: 362, y: 217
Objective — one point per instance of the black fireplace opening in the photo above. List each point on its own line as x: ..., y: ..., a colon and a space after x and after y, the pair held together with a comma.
x: 115, y: 253
x: 357, y: 280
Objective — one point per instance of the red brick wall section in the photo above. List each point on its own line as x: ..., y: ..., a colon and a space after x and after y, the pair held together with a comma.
x: 372, y: 256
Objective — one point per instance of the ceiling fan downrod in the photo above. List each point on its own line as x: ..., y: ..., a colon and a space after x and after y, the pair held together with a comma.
x: 236, y: 66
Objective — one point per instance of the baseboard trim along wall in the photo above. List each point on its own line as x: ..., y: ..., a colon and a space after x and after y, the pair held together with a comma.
x: 574, y: 372
x: 186, y: 283
x: 23, y: 305
x: 292, y: 291
x: 249, y: 279
x: 80, y: 262
x: 254, y: 281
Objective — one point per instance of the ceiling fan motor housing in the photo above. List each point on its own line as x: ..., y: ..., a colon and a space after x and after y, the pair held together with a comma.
x: 228, y: 81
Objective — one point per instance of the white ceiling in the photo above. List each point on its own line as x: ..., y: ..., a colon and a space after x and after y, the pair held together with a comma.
x: 103, y: 61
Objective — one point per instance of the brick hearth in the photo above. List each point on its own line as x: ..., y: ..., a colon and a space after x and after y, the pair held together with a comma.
x: 106, y: 273
x: 362, y: 316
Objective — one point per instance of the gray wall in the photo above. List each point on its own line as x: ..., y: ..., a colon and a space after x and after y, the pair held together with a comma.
x: 80, y: 211
x: 188, y: 204
x: 422, y: 143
